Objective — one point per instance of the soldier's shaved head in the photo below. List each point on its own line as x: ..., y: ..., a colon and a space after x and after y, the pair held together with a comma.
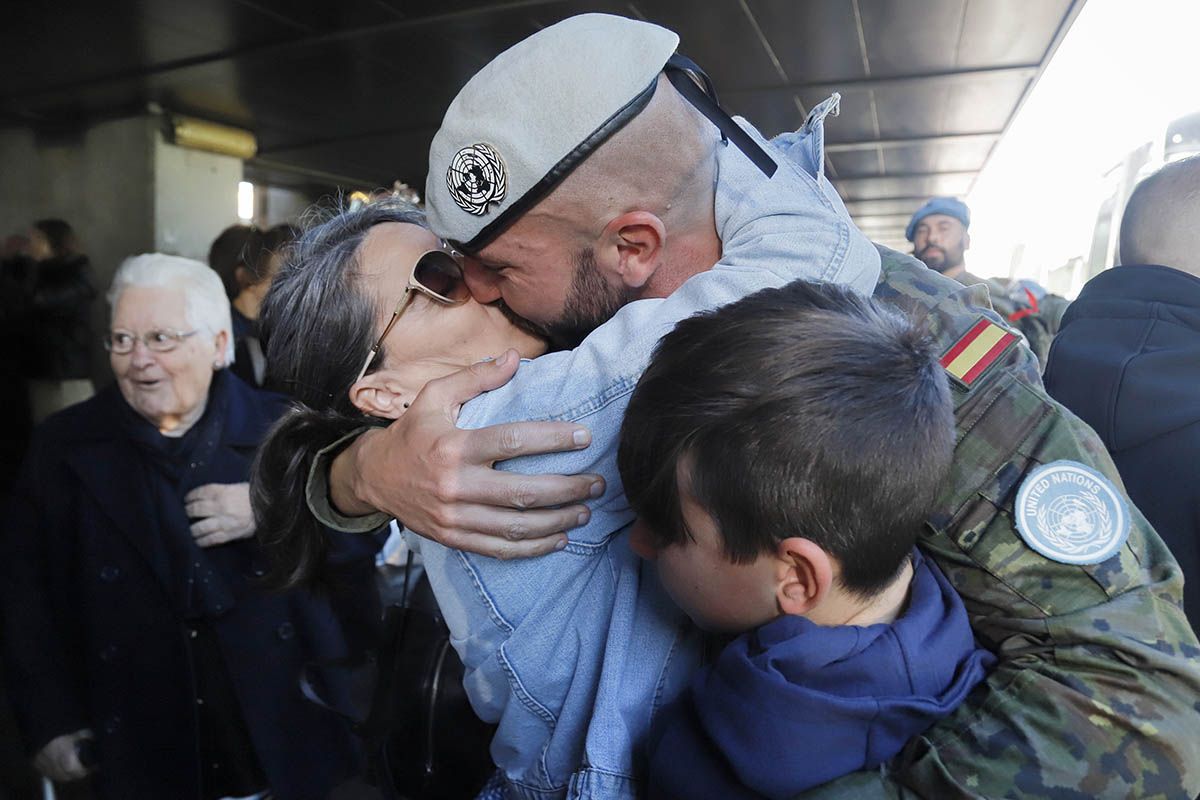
x: 636, y: 218
x: 1162, y: 220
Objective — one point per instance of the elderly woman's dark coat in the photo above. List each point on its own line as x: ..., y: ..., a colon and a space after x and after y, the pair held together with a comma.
x: 104, y: 609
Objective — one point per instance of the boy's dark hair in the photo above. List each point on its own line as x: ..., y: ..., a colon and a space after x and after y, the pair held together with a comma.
x: 808, y: 410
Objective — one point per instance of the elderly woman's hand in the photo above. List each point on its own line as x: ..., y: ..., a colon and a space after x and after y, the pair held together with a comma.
x: 222, y: 513
x: 59, y: 759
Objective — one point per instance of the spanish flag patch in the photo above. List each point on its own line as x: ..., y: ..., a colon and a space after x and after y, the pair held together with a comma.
x: 978, y: 349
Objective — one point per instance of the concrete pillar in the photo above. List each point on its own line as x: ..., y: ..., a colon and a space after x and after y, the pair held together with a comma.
x: 195, y: 198
x: 101, y: 181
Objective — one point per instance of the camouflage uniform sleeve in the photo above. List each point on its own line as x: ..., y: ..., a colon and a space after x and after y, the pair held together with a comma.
x: 1037, y: 324
x: 1053, y: 307
x: 1097, y: 689
x: 316, y: 492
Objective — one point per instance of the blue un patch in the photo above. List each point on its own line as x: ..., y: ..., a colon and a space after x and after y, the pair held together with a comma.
x: 1071, y: 513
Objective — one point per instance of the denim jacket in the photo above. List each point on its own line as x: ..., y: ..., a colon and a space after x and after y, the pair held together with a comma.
x: 572, y: 653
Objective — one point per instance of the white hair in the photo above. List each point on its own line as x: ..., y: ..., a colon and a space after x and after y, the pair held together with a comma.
x: 206, y: 304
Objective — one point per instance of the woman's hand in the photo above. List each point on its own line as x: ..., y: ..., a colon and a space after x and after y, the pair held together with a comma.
x: 59, y: 759
x: 222, y: 513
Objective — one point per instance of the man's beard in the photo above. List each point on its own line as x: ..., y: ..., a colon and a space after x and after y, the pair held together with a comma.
x: 937, y: 259
x: 591, y: 301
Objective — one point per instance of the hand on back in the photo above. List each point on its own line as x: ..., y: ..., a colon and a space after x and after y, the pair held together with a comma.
x: 440, y: 481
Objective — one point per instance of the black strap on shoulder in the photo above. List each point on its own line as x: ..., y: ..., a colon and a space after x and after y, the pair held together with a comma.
x: 684, y: 74
x: 374, y: 725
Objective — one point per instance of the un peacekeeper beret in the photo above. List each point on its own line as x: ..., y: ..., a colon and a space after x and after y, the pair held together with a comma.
x: 524, y: 121
x: 950, y: 206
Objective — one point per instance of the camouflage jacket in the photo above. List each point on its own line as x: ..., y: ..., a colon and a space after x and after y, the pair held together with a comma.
x: 1036, y: 318
x: 1097, y: 691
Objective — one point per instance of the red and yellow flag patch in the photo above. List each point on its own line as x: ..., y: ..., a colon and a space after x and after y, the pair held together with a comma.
x: 977, y: 350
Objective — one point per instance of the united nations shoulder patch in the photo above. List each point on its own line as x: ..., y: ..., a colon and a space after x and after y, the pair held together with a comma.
x: 476, y: 178
x: 1071, y: 513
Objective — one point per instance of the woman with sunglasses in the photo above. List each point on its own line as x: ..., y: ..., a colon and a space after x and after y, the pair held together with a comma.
x: 367, y: 308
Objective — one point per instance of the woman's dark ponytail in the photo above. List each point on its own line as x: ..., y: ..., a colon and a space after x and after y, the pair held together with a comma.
x: 318, y: 325
x: 294, y: 542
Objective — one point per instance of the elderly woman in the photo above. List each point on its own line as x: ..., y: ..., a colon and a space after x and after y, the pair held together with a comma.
x: 138, y: 638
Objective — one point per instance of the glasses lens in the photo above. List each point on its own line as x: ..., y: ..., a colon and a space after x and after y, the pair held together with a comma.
x: 161, y: 341
x: 441, y: 274
x: 119, y: 342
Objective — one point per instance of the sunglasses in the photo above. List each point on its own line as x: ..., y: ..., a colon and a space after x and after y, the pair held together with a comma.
x: 438, y: 275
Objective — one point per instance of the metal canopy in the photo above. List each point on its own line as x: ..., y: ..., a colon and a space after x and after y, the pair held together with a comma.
x: 351, y: 92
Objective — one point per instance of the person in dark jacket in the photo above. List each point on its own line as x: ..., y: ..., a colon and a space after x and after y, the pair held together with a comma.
x: 1127, y: 361
x: 247, y: 258
x: 782, y: 498
x: 17, y: 271
x: 140, y: 644
x: 61, y: 319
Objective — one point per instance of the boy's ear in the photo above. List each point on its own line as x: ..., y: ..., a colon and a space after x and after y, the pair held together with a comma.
x: 379, y: 394
x: 630, y: 247
x: 804, y: 575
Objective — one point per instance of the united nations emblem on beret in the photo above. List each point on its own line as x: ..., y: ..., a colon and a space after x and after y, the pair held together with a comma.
x: 1071, y: 513
x: 477, y: 178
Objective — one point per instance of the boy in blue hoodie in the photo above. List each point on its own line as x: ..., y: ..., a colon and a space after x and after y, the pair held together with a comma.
x: 782, y: 454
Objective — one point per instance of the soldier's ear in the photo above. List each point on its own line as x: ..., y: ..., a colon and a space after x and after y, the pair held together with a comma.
x: 966, y: 240
x: 630, y: 248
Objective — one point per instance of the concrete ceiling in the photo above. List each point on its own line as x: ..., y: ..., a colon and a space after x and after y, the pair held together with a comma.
x: 350, y: 93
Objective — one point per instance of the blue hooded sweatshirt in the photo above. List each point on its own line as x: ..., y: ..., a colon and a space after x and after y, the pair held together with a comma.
x: 793, y: 704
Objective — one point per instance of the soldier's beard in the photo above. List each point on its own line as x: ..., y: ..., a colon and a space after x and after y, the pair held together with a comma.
x: 591, y: 301
x: 938, y: 259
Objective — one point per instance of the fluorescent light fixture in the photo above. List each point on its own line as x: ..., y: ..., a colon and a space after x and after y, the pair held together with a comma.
x: 245, y: 201
x: 200, y: 134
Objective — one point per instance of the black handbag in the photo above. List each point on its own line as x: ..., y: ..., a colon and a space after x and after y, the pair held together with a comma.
x: 421, y: 738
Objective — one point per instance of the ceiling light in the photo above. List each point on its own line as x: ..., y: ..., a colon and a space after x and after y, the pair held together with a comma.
x: 200, y: 134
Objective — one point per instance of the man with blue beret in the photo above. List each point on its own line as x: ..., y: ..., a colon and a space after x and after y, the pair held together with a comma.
x: 600, y: 192
x: 939, y: 232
